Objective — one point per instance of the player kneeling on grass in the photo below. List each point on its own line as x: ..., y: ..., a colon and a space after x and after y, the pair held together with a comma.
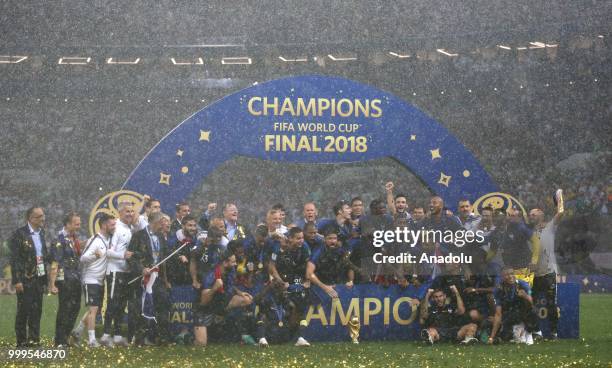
x: 442, y: 321
x: 217, y: 296
x: 514, y: 311
x: 274, y: 320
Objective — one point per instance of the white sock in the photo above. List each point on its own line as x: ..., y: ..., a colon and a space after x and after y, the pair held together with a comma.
x: 117, y: 338
x: 106, y: 336
x: 92, y: 335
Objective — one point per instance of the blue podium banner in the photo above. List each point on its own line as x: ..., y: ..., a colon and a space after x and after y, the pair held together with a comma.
x: 568, y: 304
x: 182, y: 300
x: 384, y: 313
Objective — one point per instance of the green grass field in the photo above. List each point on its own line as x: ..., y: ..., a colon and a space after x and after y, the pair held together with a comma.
x: 593, y: 349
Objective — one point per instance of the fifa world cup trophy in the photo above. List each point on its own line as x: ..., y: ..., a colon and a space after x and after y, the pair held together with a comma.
x: 354, y: 326
x: 559, y: 200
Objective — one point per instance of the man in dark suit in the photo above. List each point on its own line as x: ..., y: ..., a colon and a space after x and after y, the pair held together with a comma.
x: 182, y: 210
x: 149, y: 248
x: 29, y: 276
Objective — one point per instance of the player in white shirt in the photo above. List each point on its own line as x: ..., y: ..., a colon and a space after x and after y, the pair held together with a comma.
x: 274, y: 222
x: 93, y: 271
x: 117, y: 277
x: 546, y: 268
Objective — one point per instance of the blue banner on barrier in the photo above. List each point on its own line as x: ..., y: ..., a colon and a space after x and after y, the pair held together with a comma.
x: 182, y: 299
x: 384, y: 313
x: 568, y: 304
x: 591, y: 283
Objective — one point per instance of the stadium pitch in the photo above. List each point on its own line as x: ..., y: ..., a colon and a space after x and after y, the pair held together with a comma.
x: 592, y: 349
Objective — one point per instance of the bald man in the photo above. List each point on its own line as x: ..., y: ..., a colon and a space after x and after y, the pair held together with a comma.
x: 546, y: 268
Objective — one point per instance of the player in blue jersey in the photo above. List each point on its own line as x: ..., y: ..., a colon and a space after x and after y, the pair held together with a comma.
x: 329, y: 266
x: 288, y: 265
x: 217, y: 297
x: 515, y: 315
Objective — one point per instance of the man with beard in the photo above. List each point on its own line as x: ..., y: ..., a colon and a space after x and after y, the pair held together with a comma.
x: 443, y: 321
x: 178, y: 267
x: 329, y: 266
x: 546, y: 269
x: 288, y: 265
x: 217, y: 297
x: 65, y: 277
x: 148, y: 248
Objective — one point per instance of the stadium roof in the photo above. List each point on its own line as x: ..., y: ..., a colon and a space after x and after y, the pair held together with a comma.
x: 80, y: 23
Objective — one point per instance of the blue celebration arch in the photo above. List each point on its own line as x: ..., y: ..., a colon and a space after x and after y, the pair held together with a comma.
x: 238, y: 125
x: 389, y: 128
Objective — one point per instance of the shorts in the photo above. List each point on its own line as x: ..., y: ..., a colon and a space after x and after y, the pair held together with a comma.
x: 301, y: 300
x: 478, y: 303
x: 202, y: 318
x: 207, y: 315
x: 545, y: 284
x: 447, y: 333
x: 94, y: 294
x: 278, y: 335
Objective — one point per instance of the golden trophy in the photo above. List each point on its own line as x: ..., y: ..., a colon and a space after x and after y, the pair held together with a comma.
x: 353, y: 326
x: 559, y: 200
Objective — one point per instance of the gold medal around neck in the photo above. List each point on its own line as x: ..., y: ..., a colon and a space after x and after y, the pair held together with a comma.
x: 260, y: 265
x: 280, y: 324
